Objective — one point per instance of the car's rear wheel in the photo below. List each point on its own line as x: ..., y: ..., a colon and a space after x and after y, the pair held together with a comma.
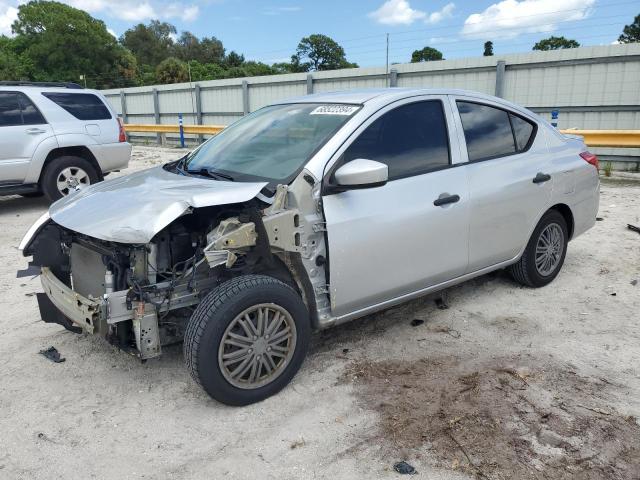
x: 247, y: 339
x: 67, y: 174
x: 544, y: 255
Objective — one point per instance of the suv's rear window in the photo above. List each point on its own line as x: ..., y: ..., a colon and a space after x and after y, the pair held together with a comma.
x: 83, y: 106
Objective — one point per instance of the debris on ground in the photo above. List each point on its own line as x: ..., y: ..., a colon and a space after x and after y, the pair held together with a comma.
x: 297, y: 444
x: 599, y: 219
x: 634, y: 282
x: 499, y: 417
x: 446, y: 329
x: 633, y: 228
x: 403, y: 468
x: 441, y: 304
x: 416, y: 322
x: 52, y: 354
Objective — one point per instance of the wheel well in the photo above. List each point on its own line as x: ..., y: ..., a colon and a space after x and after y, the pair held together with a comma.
x: 78, y: 151
x: 565, y: 211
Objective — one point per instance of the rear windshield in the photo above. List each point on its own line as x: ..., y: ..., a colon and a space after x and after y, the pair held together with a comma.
x: 83, y: 106
x: 272, y: 144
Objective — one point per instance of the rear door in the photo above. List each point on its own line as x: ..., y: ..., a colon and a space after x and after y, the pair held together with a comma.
x: 509, y: 179
x: 22, y: 129
x: 388, y: 241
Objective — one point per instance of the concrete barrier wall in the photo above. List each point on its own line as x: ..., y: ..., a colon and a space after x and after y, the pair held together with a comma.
x: 592, y: 87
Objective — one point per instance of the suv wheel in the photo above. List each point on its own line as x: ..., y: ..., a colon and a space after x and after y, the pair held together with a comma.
x: 247, y: 339
x: 544, y: 256
x: 66, y: 174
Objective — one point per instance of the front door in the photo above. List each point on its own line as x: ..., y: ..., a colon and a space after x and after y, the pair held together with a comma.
x: 22, y: 129
x: 388, y: 241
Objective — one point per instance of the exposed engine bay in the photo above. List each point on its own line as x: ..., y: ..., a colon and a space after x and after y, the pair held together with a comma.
x: 141, y: 296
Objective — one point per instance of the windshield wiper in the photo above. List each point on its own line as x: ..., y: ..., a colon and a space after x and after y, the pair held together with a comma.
x: 211, y: 174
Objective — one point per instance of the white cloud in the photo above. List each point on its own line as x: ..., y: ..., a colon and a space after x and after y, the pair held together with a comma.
x: 396, y: 12
x: 112, y: 32
x: 444, y: 12
x: 137, y: 11
x: 399, y: 12
x: 279, y: 10
x: 8, y: 14
x: 510, y: 18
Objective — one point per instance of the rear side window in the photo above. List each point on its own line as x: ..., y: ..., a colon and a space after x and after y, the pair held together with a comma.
x: 522, y: 131
x: 83, y: 106
x: 492, y: 132
x: 487, y: 131
x: 17, y: 109
x: 411, y: 139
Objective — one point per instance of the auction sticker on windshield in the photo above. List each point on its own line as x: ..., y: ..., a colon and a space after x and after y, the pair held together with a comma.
x: 334, y: 110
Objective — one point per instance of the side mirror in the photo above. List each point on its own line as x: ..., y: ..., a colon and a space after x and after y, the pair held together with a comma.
x: 361, y: 173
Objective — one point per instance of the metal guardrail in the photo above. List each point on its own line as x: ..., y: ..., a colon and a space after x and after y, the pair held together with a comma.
x: 593, y: 138
x: 192, y: 129
x: 608, y: 138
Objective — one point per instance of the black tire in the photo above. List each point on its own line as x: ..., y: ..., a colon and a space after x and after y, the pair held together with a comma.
x: 32, y: 195
x: 48, y: 181
x: 208, y: 324
x: 525, y: 271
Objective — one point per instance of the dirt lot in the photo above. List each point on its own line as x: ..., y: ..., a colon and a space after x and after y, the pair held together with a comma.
x: 507, y: 382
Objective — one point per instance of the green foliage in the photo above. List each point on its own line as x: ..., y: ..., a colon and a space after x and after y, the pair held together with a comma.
x: 555, y: 43
x: 56, y: 42
x: 319, y: 52
x: 12, y: 65
x: 205, y: 50
x: 608, y: 168
x: 172, y: 70
x: 631, y: 33
x: 427, y: 54
x: 150, y: 44
x: 488, y: 49
x: 233, y: 60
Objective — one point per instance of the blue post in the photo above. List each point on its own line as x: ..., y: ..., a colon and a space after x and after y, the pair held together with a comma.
x: 554, y: 117
x: 181, y: 130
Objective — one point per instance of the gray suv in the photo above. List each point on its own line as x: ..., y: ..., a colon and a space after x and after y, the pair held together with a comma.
x: 307, y: 214
x: 57, y: 138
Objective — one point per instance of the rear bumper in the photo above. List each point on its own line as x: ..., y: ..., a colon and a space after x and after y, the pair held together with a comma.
x: 112, y: 156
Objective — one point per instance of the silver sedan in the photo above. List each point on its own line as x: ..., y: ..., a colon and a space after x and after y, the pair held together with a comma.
x: 306, y: 214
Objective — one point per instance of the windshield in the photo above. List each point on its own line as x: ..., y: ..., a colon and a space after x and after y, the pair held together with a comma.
x: 271, y: 144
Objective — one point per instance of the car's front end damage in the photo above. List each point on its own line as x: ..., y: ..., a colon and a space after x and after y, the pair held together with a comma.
x: 137, y: 286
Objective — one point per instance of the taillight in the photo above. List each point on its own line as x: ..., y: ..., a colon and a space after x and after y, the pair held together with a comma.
x: 590, y: 158
x: 122, y: 136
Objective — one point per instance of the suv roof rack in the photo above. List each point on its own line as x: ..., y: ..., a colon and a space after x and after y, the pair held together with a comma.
x: 20, y: 83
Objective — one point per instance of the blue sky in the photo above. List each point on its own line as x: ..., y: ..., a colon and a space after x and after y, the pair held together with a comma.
x: 269, y: 30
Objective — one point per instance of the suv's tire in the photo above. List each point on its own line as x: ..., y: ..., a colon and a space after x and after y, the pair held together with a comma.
x: 226, y: 336
x: 67, y: 170
x: 544, y: 256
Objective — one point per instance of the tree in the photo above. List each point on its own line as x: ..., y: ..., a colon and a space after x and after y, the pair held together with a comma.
x: 319, y: 52
x: 151, y: 44
x: 631, y: 33
x: 172, y: 70
x: 61, y: 43
x: 555, y: 43
x: 233, y: 60
x: 208, y: 50
x: 12, y: 65
x: 488, y: 49
x: 427, y: 54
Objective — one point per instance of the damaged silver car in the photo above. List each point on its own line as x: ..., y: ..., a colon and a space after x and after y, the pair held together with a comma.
x: 306, y: 214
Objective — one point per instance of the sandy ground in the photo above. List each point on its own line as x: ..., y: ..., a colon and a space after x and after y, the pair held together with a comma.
x: 507, y: 382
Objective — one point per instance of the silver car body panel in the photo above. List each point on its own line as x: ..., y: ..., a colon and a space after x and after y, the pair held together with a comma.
x: 133, y: 208
x: 386, y: 244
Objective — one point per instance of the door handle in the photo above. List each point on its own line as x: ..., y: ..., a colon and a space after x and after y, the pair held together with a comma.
x: 541, y: 178
x: 35, y: 131
x: 440, y: 201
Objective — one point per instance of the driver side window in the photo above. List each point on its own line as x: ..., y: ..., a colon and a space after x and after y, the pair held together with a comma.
x: 411, y: 140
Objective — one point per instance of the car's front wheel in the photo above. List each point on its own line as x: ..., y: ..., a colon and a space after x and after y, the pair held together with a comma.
x: 544, y: 255
x: 247, y: 339
x: 65, y: 175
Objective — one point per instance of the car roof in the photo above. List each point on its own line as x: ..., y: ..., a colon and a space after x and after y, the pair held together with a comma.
x: 39, y: 89
x: 383, y: 96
